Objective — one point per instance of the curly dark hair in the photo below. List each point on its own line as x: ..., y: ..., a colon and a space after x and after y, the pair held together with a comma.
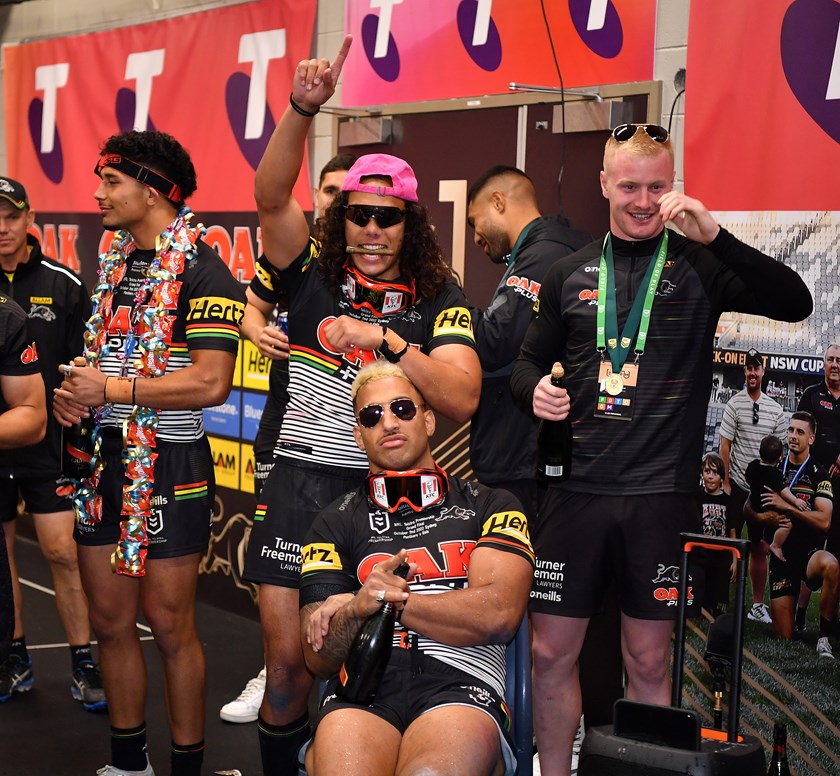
x: 159, y: 152
x: 421, y: 257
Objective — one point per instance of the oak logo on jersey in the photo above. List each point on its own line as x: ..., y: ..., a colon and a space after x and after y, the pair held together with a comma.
x: 29, y: 355
x: 455, y: 320
x: 453, y: 563
x: 320, y: 556
x: 529, y: 288
x: 512, y: 524
x: 215, y: 308
x: 357, y: 356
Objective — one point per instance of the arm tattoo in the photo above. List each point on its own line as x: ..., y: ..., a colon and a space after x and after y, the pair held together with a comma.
x: 343, y: 629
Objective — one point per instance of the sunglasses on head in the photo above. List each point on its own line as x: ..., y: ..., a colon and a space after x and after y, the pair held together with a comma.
x: 623, y: 132
x: 417, y: 488
x: 755, y: 413
x: 384, y: 216
x: 402, y: 409
x: 378, y: 297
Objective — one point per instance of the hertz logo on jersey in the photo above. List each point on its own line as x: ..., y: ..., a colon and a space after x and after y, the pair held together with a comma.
x: 215, y: 308
x: 454, y: 321
x: 320, y: 556
x: 512, y: 524
x: 265, y: 276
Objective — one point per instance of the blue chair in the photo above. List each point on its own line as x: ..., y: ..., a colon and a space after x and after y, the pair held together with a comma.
x: 518, y: 697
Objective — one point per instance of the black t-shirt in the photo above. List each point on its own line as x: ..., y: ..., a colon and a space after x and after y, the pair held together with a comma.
x: 757, y: 476
x: 716, y: 513
x: 817, y: 400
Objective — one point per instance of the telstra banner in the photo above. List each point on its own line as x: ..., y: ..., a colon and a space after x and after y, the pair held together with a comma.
x: 216, y: 80
x: 411, y: 50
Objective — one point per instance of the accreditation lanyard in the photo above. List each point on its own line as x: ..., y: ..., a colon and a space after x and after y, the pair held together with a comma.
x: 511, y: 257
x: 606, y: 337
x: 798, y: 471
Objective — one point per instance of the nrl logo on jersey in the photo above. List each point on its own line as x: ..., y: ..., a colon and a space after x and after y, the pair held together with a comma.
x: 379, y: 521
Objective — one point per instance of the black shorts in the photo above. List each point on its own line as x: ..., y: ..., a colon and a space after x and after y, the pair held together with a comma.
x: 583, y: 541
x: 44, y: 495
x: 182, y: 504
x: 290, y: 500
x: 786, y: 576
x: 405, y: 693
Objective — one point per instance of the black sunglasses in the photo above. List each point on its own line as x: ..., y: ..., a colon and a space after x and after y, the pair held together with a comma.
x: 403, y: 409
x: 384, y: 216
x: 623, y: 132
x: 755, y: 413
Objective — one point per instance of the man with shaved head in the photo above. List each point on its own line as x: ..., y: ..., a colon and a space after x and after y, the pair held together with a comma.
x: 502, y: 209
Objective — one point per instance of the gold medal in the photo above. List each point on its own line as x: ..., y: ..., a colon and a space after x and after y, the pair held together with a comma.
x: 614, y: 384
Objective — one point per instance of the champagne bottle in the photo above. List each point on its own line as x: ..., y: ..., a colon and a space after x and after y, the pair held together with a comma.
x: 77, y: 449
x: 554, y: 441
x: 369, y: 653
x: 779, y: 762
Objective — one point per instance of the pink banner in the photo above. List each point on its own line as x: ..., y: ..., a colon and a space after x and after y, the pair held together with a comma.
x: 762, y: 110
x: 409, y: 50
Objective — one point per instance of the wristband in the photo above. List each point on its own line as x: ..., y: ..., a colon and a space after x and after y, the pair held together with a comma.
x: 133, y: 389
x: 302, y: 111
x: 105, y: 389
x: 393, y: 346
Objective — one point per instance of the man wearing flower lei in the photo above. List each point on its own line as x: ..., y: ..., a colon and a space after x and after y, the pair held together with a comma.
x: 374, y: 284
x: 160, y: 345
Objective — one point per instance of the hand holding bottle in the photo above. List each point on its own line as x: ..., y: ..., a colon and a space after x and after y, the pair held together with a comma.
x: 550, y: 402
x: 382, y: 586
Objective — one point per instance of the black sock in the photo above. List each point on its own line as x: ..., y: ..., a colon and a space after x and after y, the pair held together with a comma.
x: 128, y: 748
x: 186, y: 760
x: 280, y: 744
x: 19, y: 649
x: 800, y: 616
x: 826, y: 627
x: 81, y: 654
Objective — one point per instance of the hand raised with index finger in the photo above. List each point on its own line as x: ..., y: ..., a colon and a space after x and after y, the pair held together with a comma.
x: 315, y: 80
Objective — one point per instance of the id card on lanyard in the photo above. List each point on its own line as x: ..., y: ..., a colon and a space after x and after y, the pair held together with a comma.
x: 617, y: 379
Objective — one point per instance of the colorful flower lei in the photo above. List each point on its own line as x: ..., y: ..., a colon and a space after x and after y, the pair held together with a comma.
x: 147, y: 352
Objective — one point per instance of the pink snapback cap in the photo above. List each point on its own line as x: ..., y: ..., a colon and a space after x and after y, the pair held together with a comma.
x: 403, y: 180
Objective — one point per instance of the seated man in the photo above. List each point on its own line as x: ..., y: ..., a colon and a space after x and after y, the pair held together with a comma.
x: 470, y: 571
x: 806, y: 560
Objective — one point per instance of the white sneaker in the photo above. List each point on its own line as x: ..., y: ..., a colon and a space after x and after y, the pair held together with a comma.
x: 110, y: 770
x: 760, y: 613
x: 576, y: 745
x: 246, y: 707
x: 824, y: 648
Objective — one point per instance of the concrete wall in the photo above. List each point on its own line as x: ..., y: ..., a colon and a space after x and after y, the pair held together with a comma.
x: 38, y: 19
